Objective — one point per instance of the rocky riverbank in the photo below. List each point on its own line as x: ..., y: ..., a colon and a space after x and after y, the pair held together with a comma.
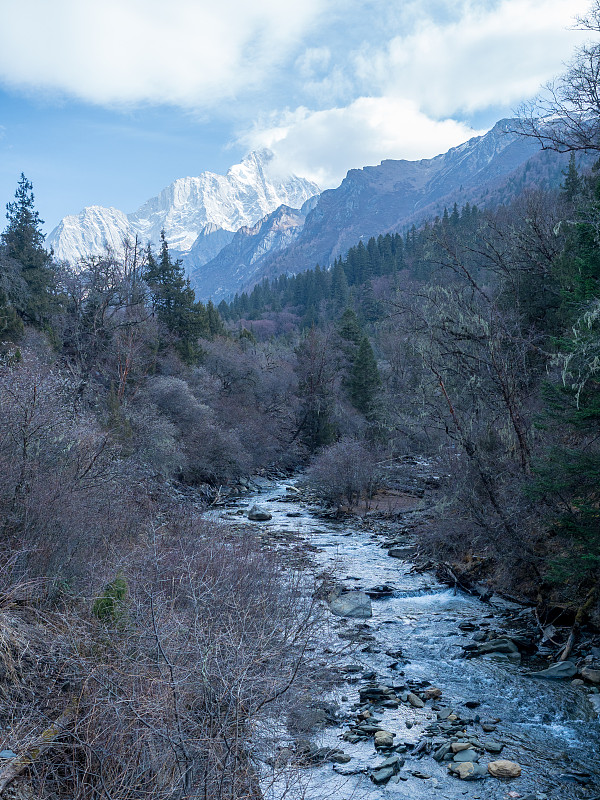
x: 437, y: 691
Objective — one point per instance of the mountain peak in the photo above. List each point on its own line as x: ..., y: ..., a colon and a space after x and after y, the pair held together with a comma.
x: 188, y: 208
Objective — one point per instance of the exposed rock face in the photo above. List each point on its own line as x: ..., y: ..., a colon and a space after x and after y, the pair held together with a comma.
x: 355, y: 605
x: 396, y: 194
x: 235, y: 264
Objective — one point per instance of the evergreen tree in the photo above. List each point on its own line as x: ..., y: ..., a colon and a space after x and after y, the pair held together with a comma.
x: 339, y: 286
x: 23, y: 242
x: 364, y: 378
x: 572, y: 183
x: 174, y: 303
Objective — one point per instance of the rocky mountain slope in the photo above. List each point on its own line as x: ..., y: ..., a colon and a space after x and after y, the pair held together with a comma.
x: 395, y: 194
x: 199, y: 215
x: 243, y: 257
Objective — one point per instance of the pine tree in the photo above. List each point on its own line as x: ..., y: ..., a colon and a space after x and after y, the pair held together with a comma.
x: 339, y: 286
x: 364, y: 378
x: 23, y: 242
x: 572, y: 183
x: 174, y: 303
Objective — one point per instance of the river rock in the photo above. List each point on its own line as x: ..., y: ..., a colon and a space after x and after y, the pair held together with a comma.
x: 384, y: 739
x: 339, y: 758
x: 468, y: 771
x: 504, y: 769
x: 497, y: 646
x: 562, y: 669
x: 458, y: 747
x: 432, y: 693
x: 415, y: 701
x: 466, y: 755
x: 294, y: 514
x: 381, y: 776
x: 383, y: 590
x: 442, y: 751
x: 401, y: 552
x: 259, y: 514
x: 356, y: 605
x: 493, y: 747
x: 591, y: 675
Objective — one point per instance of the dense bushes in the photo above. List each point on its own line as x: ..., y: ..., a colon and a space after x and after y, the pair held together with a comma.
x: 161, y: 699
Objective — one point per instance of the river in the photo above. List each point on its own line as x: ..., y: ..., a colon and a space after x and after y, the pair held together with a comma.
x: 548, y: 727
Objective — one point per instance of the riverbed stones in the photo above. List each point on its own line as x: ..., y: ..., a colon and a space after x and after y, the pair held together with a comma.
x: 458, y: 747
x: 558, y: 671
x: 591, y: 675
x: 386, y: 770
x: 504, y: 769
x: 502, y: 645
x: 432, y: 693
x: 376, y: 694
x: 259, y: 514
x: 384, y: 739
x: 442, y: 751
x: 415, y: 701
x: 466, y: 755
x: 468, y: 771
x: 354, y: 605
x: 493, y: 747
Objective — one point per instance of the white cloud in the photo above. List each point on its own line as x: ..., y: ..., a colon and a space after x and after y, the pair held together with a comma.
x: 323, y: 144
x: 188, y: 53
x: 489, y: 57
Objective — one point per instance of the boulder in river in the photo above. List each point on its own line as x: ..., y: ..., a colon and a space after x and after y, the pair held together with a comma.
x: 504, y: 769
x: 258, y: 514
x: 356, y: 605
x: 402, y: 552
x: 384, y: 739
x: 466, y: 755
x: 383, y: 590
x: 560, y: 670
x: 468, y: 771
x: 591, y: 675
x: 415, y: 701
x: 502, y: 645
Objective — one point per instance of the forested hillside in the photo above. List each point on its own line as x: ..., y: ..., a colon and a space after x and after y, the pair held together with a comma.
x: 484, y: 327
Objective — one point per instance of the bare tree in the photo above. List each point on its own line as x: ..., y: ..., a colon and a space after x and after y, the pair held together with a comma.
x: 566, y: 115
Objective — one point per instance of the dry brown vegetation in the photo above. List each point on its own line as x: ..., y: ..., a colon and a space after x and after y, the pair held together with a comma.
x: 159, y: 698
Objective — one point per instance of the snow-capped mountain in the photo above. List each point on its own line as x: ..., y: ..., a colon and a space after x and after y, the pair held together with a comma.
x: 203, y: 212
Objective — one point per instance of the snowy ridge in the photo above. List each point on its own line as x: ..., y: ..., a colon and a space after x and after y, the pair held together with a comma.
x: 189, y: 210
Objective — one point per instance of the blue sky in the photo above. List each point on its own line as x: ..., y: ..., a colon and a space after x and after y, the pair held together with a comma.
x: 106, y: 103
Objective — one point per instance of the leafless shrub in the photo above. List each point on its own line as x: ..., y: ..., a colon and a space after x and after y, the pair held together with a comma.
x: 163, y: 703
x: 63, y: 488
x: 345, y: 471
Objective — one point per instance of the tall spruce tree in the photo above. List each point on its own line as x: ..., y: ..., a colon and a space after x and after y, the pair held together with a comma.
x: 173, y: 300
x: 23, y: 242
x: 364, y: 378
